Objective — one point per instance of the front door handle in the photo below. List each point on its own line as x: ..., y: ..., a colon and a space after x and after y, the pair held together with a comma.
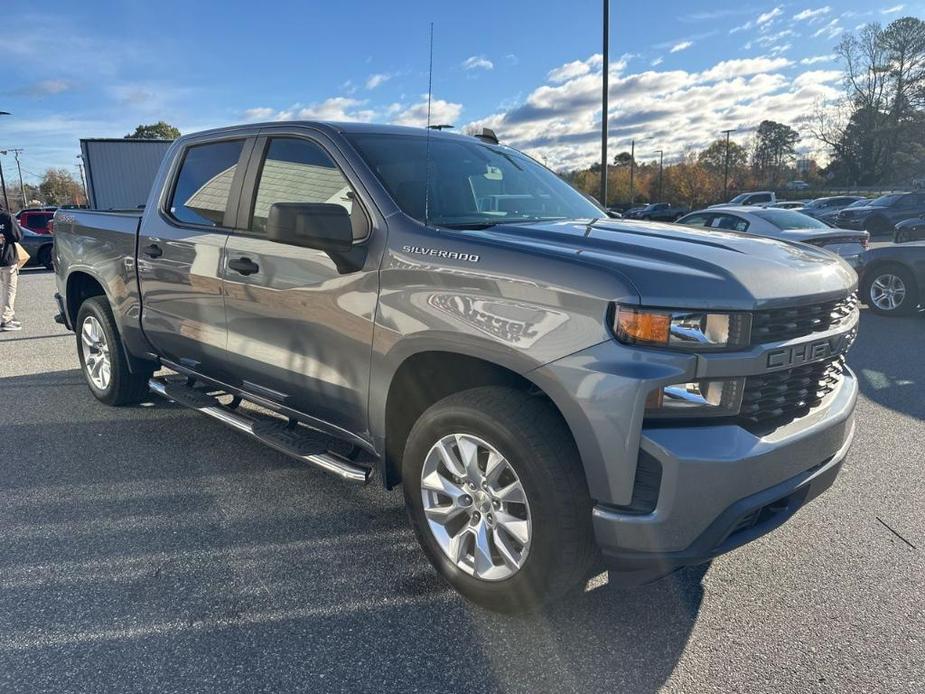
x: 244, y: 266
x: 153, y: 251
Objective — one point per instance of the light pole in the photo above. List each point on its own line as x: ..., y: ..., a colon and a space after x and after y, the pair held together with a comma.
x: 6, y: 202
x: 605, y: 103
x: 726, y: 166
x: 661, y: 166
x: 632, y: 168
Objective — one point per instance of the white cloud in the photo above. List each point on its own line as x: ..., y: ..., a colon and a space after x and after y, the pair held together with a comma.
x: 571, y: 70
x: 768, y: 16
x: 830, y: 30
x: 817, y: 59
x: 893, y: 10
x: 477, y: 62
x: 44, y: 88
x: 377, y: 79
x: 682, y: 46
x: 743, y: 67
x: 742, y: 27
x: 812, y: 16
x: 658, y: 61
x: 673, y: 110
x: 338, y: 108
x: 441, y: 113
x: 259, y: 113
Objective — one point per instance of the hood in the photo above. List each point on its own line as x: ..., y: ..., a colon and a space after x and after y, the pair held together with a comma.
x: 686, y: 267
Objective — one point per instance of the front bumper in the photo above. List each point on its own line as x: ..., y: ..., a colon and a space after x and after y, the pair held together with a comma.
x: 723, y: 486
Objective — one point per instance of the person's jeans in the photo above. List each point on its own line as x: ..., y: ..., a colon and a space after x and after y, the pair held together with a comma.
x: 9, y: 278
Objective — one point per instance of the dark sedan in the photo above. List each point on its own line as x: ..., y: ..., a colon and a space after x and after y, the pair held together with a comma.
x: 827, y: 209
x: 910, y: 230
x: 882, y: 214
x: 893, y: 278
x: 657, y: 212
x: 40, y: 247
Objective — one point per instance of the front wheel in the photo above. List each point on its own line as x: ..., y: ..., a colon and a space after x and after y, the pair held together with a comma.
x: 890, y: 291
x: 497, y: 497
x: 102, y: 358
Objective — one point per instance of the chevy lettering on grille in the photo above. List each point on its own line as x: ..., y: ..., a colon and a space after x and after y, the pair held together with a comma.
x: 810, y: 351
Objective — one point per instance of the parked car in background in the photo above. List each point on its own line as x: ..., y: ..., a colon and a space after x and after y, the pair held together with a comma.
x: 797, y: 185
x: 893, y: 278
x: 827, y: 208
x: 36, y: 219
x: 789, y: 205
x: 787, y: 225
x: 880, y: 216
x: 759, y: 198
x: 657, y: 212
x: 910, y: 230
x: 40, y: 247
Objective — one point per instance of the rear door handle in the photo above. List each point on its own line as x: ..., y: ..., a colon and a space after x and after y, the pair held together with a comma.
x: 153, y: 251
x: 244, y: 266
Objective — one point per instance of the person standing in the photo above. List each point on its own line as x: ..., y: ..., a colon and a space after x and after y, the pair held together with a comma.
x: 10, y: 235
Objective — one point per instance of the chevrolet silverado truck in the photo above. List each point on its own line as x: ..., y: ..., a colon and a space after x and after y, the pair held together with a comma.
x: 554, y: 391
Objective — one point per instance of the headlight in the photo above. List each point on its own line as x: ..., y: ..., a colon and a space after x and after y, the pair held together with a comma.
x: 688, y: 330
x: 716, y: 398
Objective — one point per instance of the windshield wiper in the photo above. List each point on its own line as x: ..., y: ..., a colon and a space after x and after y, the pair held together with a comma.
x: 469, y: 225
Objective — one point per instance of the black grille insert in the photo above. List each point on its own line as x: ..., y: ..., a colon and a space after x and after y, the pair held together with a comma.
x: 778, y: 324
x: 782, y: 396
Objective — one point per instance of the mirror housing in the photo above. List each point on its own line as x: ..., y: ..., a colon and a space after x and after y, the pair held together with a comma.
x: 323, y: 226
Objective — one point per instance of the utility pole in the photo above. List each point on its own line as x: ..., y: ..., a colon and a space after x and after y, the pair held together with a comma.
x: 726, y: 166
x: 22, y: 188
x: 632, y: 168
x: 605, y: 102
x: 6, y: 202
x: 661, y: 166
x: 83, y: 179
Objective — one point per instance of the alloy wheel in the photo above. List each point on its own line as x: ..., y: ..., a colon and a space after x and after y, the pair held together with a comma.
x: 96, y: 353
x: 476, y: 507
x: 887, y: 292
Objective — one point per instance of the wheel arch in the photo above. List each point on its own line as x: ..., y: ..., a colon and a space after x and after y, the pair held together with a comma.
x: 427, y: 376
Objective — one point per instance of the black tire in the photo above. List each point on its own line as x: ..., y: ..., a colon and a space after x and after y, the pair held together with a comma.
x: 537, y: 444
x: 124, y: 387
x: 909, y: 301
x: 45, y: 259
x: 878, y: 226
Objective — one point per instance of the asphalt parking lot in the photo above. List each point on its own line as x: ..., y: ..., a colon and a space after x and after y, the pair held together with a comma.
x: 152, y: 549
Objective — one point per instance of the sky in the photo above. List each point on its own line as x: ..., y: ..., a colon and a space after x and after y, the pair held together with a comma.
x: 680, y: 72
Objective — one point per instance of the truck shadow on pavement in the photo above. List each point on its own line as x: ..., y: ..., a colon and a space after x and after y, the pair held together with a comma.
x: 152, y: 548
x: 887, y: 369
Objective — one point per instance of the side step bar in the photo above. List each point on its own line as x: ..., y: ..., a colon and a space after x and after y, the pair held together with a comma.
x: 307, y: 448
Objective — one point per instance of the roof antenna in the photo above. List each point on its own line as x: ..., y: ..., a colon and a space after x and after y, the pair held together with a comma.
x: 430, y: 84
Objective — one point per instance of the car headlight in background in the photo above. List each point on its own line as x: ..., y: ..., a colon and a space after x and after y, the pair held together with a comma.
x: 687, y: 330
x: 707, y: 398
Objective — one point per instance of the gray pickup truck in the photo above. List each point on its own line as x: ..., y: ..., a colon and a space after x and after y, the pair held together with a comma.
x: 554, y: 391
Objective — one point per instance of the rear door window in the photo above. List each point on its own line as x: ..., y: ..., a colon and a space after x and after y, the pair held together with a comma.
x: 203, y: 184
x: 730, y: 222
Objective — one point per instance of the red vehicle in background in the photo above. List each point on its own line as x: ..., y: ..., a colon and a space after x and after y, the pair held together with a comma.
x: 37, y: 219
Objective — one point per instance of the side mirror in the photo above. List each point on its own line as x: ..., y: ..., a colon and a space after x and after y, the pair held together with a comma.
x: 323, y: 226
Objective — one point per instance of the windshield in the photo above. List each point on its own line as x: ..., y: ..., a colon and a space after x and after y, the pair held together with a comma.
x: 884, y: 201
x: 471, y: 183
x: 739, y: 198
x: 788, y: 219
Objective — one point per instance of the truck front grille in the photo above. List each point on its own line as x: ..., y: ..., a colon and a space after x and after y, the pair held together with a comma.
x: 778, y: 324
x: 783, y: 396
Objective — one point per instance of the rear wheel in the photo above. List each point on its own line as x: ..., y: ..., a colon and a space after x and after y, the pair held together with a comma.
x: 890, y: 290
x: 497, y: 498
x: 102, y: 358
